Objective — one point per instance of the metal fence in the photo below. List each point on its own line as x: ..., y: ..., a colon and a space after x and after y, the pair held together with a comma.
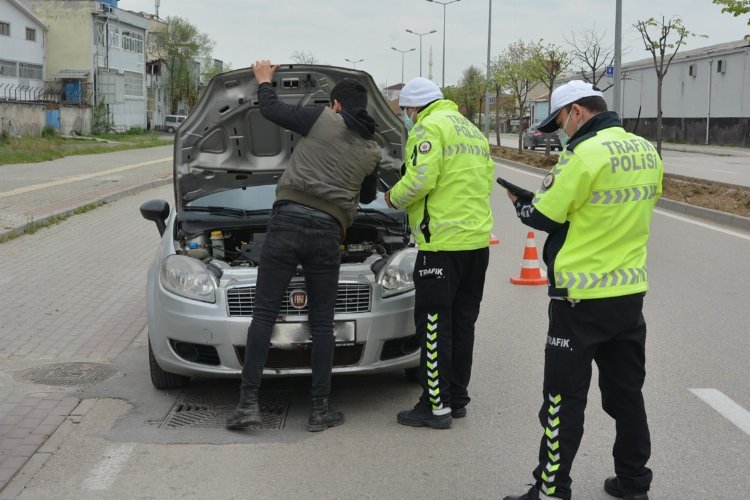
x: 51, y: 92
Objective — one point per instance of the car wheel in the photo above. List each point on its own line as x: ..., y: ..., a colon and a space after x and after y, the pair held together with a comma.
x: 162, y: 379
x: 170, y: 130
x: 412, y: 374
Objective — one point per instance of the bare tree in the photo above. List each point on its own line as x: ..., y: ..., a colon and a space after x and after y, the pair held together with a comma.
x: 302, y: 57
x: 513, y: 68
x: 592, y: 55
x: 663, y: 39
x: 549, y: 62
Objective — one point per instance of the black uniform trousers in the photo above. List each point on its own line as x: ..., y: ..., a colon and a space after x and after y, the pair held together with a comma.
x: 611, y: 332
x: 448, y: 290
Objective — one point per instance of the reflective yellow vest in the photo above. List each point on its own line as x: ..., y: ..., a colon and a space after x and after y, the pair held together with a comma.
x: 606, y: 189
x: 448, y: 180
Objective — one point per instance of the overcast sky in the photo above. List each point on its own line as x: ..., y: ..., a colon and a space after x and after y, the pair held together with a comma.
x: 336, y: 30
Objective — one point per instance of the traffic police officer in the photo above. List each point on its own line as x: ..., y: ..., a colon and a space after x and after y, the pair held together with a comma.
x: 446, y: 191
x: 596, y: 205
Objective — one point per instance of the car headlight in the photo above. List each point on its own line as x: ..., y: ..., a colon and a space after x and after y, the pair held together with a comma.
x: 397, y: 276
x: 187, y: 277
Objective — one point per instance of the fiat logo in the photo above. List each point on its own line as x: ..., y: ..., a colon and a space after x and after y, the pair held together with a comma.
x: 298, y: 299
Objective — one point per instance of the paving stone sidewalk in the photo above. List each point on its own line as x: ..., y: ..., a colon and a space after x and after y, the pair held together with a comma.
x: 73, y: 292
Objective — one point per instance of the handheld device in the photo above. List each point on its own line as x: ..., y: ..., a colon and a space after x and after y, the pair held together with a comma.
x: 522, y: 193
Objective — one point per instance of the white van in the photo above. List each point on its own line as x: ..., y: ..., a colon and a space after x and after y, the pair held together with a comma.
x: 171, y: 122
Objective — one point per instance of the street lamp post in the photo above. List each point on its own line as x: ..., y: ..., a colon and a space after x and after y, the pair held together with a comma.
x: 402, y: 59
x: 444, y: 4
x: 420, y: 35
x: 354, y: 63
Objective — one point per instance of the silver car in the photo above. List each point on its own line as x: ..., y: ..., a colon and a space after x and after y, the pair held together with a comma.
x: 201, y: 285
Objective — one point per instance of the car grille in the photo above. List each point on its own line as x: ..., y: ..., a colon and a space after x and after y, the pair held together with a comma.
x: 279, y: 359
x: 350, y: 298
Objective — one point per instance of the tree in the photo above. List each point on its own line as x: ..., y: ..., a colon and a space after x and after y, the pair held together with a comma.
x: 548, y: 63
x: 513, y: 68
x: 302, y: 57
x: 661, y: 38
x: 736, y: 8
x: 179, y: 45
x: 592, y: 55
x: 471, y: 91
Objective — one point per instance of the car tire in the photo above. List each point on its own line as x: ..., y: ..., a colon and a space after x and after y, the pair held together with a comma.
x: 170, y: 130
x: 412, y: 374
x: 162, y: 379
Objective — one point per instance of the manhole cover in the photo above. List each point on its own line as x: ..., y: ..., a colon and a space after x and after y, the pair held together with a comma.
x: 67, y: 374
x: 210, y: 407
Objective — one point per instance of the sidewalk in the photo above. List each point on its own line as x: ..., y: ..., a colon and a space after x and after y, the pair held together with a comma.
x: 36, y: 192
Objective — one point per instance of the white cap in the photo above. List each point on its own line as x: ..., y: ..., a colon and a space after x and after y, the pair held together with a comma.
x: 564, y: 95
x: 418, y: 92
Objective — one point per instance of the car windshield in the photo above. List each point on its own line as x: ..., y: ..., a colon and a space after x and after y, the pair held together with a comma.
x: 252, y: 198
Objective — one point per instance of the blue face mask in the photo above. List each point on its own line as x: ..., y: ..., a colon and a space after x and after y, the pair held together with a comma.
x: 564, y: 137
x: 408, y: 121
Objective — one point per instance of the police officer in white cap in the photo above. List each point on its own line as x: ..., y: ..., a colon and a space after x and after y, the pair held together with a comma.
x: 596, y: 205
x: 446, y: 191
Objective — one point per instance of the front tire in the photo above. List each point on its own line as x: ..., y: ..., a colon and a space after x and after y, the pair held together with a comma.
x: 161, y: 379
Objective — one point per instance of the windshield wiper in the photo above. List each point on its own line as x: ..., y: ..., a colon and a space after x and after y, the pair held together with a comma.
x: 234, y: 212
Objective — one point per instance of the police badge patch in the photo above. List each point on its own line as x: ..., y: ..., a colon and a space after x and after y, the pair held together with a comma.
x: 547, y: 182
x: 425, y: 147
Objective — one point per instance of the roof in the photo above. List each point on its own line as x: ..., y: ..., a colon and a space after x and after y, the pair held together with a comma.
x: 702, y: 52
x: 72, y: 74
x: 397, y: 86
x: 26, y: 11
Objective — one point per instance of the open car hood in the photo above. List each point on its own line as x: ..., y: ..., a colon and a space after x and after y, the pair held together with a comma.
x: 226, y: 143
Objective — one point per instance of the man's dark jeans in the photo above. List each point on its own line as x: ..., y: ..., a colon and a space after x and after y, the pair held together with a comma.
x: 296, y: 235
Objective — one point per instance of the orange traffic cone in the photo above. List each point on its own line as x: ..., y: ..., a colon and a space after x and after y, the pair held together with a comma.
x: 494, y: 240
x: 531, y: 274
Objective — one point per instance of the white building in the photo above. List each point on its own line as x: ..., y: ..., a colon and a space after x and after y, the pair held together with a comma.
x: 22, y: 52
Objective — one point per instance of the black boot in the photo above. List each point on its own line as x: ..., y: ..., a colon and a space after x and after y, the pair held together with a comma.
x: 322, y: 416
x: 247, y: 412
x: 532, y: 494
x: 422, y: 416
x: 612, y: 486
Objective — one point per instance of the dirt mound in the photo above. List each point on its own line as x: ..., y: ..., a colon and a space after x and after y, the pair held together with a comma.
x: 700, y: 192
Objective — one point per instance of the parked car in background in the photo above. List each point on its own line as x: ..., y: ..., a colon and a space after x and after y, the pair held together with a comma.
x: 201, y: 285
x: 533, y: 138
x: 172, y: 122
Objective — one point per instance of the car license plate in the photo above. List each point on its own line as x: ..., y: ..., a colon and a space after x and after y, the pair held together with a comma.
x: 294, y: 335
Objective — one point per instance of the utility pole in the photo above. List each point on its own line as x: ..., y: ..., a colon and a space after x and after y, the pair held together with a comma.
x: 617, y: 89
x: 487, y: 84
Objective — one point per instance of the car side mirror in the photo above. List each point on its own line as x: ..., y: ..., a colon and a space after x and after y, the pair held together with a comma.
x: 157, y: 211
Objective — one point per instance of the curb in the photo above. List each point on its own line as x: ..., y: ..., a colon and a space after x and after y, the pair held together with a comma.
x: 98, y: 201
x: 707, y: 214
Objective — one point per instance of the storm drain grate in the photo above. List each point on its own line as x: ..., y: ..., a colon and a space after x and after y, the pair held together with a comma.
x: 67, y: 374
x: 210, y: 409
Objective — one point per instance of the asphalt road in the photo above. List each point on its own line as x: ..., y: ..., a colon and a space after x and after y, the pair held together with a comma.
x: 697, y: 340
x: 722, y: 164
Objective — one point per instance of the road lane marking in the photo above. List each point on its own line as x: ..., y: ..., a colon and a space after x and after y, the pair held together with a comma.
x: 725, y: 407
x: 68, y: 180
x: 659, y: 211
x: 105, y: 473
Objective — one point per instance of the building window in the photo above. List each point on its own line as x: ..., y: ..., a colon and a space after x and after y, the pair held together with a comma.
x: 692, y: 70
x: 31, y: 34
x: 4, y: 29
x: 30, y: 71
x: 721, y: 66
x: 133, y: 84
x: 132, y: 42
x: 114, y: 37
x: 8, y: 68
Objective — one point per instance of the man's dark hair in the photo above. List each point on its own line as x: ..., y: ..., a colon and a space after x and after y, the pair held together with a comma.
x: 594, y: 103
x: 350, y: 93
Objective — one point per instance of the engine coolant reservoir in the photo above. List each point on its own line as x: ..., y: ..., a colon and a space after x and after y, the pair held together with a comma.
x: 217, y: 244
